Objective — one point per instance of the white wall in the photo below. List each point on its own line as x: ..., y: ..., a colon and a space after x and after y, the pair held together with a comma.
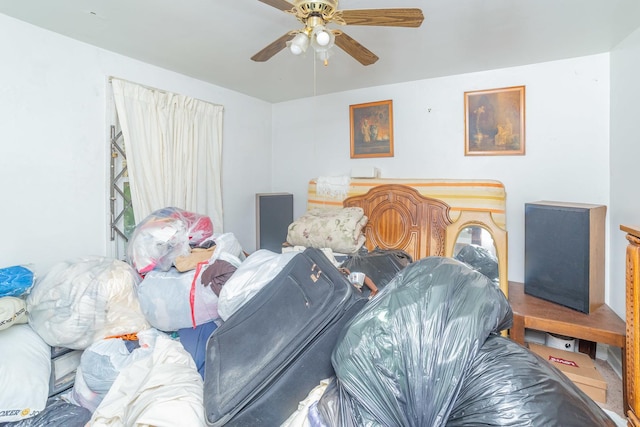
x: 567, y: 138
x: 54, y: 149
x: 625, y: 154
x: 54, y: 145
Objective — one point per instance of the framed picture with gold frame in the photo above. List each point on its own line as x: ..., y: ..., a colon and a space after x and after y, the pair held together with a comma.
x: 371, y: 129
x: 494, y: 122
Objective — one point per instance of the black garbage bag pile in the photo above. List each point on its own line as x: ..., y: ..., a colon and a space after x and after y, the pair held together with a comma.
x: 426, y: 352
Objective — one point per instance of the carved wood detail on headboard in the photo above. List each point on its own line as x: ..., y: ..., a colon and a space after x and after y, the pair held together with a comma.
x: 401, y: 218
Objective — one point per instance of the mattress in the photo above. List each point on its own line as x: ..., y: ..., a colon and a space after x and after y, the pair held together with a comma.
x: 459, y: 194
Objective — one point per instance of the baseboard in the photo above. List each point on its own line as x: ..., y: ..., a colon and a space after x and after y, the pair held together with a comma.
x: 614, y: 359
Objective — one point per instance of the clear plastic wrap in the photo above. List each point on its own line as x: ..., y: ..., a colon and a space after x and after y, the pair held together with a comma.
x: 15, y: 281
x: 402, y: 359
x: 163, y: 236
x: 99, y: 367
x: 252, y: 275
x: 165, y: 300
x: 83, y: 300
x: 13, y: 311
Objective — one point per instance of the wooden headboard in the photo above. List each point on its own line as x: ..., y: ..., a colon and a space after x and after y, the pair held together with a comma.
x: 399, y: 217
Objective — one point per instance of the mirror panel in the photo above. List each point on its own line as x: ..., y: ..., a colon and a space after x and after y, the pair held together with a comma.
x: 474, y: 226
x: 475, y: 235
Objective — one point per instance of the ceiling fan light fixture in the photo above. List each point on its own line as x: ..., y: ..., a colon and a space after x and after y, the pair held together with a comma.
x: 299, y: 44
x: 322, y: 38
x: 323, y: 55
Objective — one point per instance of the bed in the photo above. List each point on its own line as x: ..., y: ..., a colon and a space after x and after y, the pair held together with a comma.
x: 423, y: 217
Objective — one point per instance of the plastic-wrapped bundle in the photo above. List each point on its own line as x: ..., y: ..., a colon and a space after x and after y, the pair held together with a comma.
x: 84, y: 300
x: 99, y: 367
x: 402, y: 358
x: 166, y: 299
x: 163, y: 236
x: 13, y: 311
x: 15, y: 281
x: 508, y: 385
x: 253, y: 274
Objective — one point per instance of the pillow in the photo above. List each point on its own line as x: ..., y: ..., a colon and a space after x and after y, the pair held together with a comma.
x: 337, y: 229
x: 12, y: 311
x: 24, y: 373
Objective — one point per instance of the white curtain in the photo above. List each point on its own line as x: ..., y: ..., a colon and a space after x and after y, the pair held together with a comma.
x: 174, y: 151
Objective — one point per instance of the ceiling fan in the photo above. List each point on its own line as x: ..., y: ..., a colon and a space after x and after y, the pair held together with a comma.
x: 316, y: 14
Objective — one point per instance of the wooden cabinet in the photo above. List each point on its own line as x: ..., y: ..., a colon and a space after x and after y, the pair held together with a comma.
x: 632, y: 354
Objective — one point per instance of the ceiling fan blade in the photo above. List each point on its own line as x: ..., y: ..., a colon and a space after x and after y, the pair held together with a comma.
x: 278, y: 4
x: 275, y: 47
x: 355, y: 49
x: 384, y: 17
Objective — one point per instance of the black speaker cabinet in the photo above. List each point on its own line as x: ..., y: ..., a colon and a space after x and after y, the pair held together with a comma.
x: 564, y: 253
x: 274, y: 213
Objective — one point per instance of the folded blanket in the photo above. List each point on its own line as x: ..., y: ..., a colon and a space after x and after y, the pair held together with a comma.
x: 337, y: 229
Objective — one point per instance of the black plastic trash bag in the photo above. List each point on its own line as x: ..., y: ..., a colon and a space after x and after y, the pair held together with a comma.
x: 509, y: 385
x: 57, y: 413
x: 480, y: 259
x: 401, y: 360
x: 380, y: 265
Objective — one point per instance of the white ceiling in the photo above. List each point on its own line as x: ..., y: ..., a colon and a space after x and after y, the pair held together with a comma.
x: 213, y: 40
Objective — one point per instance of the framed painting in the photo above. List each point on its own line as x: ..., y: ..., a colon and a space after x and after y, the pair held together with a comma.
x: 494, y: 122
x: 371, y: 129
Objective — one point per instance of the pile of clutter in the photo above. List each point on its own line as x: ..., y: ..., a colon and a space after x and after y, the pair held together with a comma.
x: 130, y: 325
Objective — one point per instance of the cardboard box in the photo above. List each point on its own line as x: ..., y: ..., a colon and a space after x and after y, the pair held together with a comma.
x: 578, y: 367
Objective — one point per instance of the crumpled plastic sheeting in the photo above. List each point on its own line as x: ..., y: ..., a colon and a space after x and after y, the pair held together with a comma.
x: 164, y: 235
x: 165, y: 300
x: 380, y: 265
x: 402, y: 358
x: 99, y: 367
x: 84, y: 300
x: 57, y: 413
x: 480, y: 259
x: 253, y: 274
x: 508, y: 385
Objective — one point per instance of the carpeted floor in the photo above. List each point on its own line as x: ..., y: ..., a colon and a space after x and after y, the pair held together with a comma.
x: 614, y: 387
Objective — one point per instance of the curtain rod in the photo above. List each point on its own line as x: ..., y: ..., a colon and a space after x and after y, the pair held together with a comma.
x: 144, y: 86
x: 162, y: 91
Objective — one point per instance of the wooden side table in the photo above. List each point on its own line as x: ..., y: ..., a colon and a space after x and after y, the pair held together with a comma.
x: 603, y: 325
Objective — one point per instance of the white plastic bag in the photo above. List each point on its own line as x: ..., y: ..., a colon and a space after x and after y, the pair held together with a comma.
x: 165, y: 299
x: 99, y: 367
x: 251, y: 276
x: 84, y: 300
